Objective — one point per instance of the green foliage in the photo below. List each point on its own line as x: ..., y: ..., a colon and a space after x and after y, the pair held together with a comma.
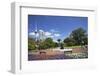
x: 31, y: 44
x: 42, y: 44
x: 69, y: 42
x: 77, y: 37
x: 47, y: 43
x: 56, y: 44
x: 59, y: 40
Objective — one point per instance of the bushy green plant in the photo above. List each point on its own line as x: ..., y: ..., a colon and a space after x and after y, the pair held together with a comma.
x: 31, y: 44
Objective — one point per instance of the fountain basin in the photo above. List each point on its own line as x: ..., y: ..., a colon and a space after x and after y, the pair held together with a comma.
x: 58, y: 49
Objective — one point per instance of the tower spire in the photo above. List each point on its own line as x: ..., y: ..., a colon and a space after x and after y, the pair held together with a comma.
x: 36, y: 27
x: 36, y: 32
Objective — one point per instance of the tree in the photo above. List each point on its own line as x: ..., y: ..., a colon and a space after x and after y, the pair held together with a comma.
x: 31, y: 44
x: 55, y: 44
x: 59, y: 40
x: 69, y: 41
x: 85, y: 40
x: 47, y: 43
x: 79, y: 35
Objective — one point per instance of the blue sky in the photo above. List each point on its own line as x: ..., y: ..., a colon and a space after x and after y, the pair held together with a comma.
x: 57, y: 27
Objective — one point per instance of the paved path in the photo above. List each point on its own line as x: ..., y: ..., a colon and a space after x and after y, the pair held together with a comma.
x: 47, y: 57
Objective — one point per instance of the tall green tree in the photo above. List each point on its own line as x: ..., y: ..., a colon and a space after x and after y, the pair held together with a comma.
x: 77, y: 37
x: 80, y: 36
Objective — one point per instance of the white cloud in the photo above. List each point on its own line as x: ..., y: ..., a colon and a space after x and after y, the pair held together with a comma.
x: 50, y: 36
x: 55, y: 40
x: 37, y: 34
x: 31, y: 33
x: 57, y: 35
x: 47, y: 33
x: 41, y: 30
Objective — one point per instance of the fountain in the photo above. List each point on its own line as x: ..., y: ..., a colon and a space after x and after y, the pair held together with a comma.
x: 65, y: 49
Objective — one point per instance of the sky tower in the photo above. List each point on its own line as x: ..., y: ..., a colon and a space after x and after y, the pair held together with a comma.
x: 36, y: 36
x: 36, y: 33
